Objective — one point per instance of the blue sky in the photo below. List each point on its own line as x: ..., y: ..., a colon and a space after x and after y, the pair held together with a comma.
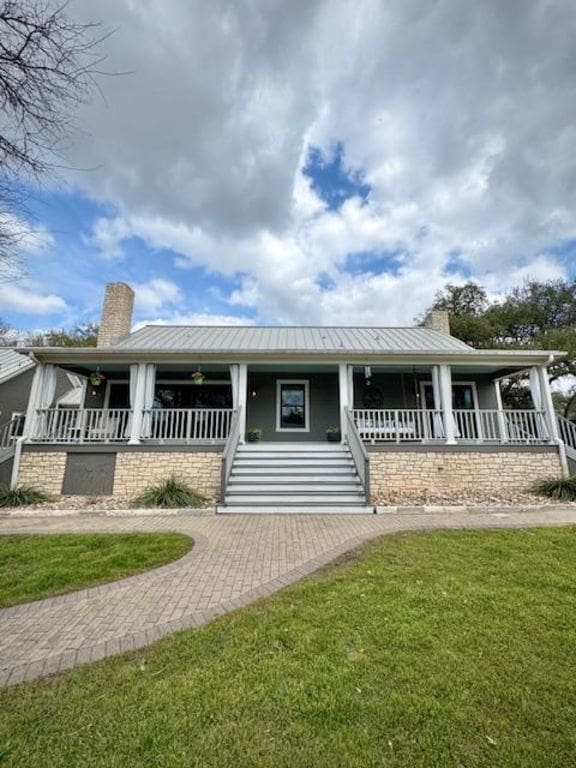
x: 321, y: 163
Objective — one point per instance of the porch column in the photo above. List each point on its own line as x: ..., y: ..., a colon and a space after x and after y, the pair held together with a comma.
x: 344, y: 397
x: 242, y: 398
x: 234, y: 384
x: 547, y: 404
x: 148, y: 399
x: 535, y: 388
x: 445, y: 387
x: 436, y: 388
x: 33, y: 402
x: 350, y: 386
x: 137, y: 394
x: 500, y: 416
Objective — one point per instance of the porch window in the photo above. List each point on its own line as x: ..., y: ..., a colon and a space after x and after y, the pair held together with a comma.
x: 292, y: 405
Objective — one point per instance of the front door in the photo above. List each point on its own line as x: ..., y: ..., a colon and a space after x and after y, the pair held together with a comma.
x: 292, y: 405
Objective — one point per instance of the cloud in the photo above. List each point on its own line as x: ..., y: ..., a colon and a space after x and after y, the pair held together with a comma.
x: 459, y: 117
x: 155, y: 294
x: 194, y: 319
x: 30, y: 301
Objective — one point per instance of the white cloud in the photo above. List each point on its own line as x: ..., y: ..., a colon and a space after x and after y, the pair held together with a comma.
x: 29, y: 238
x: 157, y: 293
x: 460, y: 116
x: 29, y: 300
x: 194, y: 319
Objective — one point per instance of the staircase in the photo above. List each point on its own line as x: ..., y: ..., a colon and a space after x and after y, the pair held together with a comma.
x: 294, y: 474
x: 567, y: 430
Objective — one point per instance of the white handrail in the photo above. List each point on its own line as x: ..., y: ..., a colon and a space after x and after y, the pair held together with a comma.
x: 359, y: 453
x: 9, y: 430
x: 230, y: 450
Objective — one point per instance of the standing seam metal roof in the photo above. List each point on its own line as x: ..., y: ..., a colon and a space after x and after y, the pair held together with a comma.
x: 12, y: 364
x: 306, y: 339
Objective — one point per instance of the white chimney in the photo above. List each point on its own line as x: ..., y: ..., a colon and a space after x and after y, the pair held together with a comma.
x: 116, y: 320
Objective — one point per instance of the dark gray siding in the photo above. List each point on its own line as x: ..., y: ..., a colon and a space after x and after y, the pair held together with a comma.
x: 6, y: 471
x: 324, y: 405
x: 14, y: 394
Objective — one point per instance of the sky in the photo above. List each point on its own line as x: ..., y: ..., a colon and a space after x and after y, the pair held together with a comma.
x: 308, y: 162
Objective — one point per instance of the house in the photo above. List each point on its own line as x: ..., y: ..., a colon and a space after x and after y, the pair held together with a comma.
x: 16, y: 376
x: 403, y: 408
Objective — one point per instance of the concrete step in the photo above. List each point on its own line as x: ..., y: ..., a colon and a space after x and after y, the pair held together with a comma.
x: 311, y: 499
x: 333, y: 479
x: 293, y: 488
x: 266, y: 462
x: 293, y: 455
x: 305, y: 447
x: 297, y: 509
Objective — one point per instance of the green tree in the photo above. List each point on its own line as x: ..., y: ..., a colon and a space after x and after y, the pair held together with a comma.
x: 84, y: 335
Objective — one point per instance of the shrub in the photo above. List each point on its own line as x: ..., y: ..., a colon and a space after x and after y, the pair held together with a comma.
x: 21, y: 496
x: 170, y: 494
x: 559, y: 488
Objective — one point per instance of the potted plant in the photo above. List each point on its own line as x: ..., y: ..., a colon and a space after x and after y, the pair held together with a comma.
x: 333, y: 434
x: 97, y: 378
x: 198, y: 377
x: 253, y: 435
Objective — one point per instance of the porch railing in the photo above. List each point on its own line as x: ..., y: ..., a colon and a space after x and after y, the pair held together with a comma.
x: 359, y: 454
x: 10, y: 430
x: 187, y: 424
x: 82, y: 425
x: 493, y: 426
x: 229, y: 451
x: 398, y: 425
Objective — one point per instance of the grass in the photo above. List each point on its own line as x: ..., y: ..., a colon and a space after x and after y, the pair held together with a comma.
x: 453, y: 650
x: 171, y: 493
x: 32, y: 567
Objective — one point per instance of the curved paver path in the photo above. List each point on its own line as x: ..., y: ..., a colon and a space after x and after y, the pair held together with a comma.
x: 235, y: 560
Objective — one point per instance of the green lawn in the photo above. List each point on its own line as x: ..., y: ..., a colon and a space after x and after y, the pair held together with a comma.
x: 422, y: 651
x: 32, y: 567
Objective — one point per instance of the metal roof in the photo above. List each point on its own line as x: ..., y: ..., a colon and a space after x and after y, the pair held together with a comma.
x: 292, y: 339
x: 12, y: 364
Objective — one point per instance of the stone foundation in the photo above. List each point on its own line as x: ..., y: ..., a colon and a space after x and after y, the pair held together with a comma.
x: 43, y: 470
x: 137, y: 470
x: 393, y: 472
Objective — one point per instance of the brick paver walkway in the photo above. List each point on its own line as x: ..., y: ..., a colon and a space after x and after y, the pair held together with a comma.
x: 235, y: 560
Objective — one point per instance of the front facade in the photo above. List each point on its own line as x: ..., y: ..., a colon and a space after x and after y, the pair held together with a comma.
x: 343, y: 415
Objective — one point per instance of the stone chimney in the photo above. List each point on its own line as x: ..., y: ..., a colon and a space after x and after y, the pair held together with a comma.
x: 437, y: 320
x: 116, y: 319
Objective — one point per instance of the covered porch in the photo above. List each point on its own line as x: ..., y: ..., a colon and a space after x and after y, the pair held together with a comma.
x: 201, y: 402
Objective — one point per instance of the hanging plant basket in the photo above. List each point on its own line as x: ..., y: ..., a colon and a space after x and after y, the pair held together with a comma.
x: 198, y: 377
x: 97, y: 379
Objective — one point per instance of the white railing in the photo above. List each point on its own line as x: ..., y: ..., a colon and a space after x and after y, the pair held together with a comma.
x: 398, y: 425
x: 359, y: 454
x: 187, y: 424
x: 567, y: 432
x: 493, y: 426
x: 229, y: 451
x: 10, y: 430
x: 81, y: 425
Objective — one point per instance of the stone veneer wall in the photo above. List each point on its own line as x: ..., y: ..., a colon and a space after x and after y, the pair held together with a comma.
x: 136, y: 470
x: 43, y: 470
x: 453, y: 471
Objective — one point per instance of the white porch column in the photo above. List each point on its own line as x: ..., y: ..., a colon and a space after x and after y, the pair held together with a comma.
x: 547, y: 404
x: 344, y: 397
x: 234, y: 383
x: 33, y: 402
x: 138, y: 388
x: 445, y: 387
x: 500, y: 416
x: 435, y: 388
x: 242, y: 398
x: 536, y: 389
x: 350, y: 371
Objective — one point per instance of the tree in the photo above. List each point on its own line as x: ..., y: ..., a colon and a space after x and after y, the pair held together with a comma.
x: 536, y: 315
x: 47, y: 67
x: 81, y: 336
